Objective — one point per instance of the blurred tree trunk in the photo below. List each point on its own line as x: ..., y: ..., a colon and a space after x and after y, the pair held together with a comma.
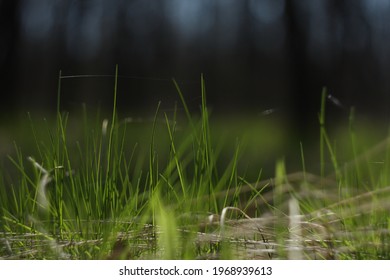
x: 300, y: 101
x: 9, y: 36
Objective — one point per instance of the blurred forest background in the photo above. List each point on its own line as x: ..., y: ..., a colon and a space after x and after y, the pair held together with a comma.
x: 257, y: 56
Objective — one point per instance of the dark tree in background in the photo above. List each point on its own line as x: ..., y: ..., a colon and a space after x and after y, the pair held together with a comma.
x: 255, y: 54
x: 9, y: 35
x: 301, y: 98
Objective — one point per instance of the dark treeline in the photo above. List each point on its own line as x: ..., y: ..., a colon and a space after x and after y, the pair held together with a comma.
x: 255, y: 55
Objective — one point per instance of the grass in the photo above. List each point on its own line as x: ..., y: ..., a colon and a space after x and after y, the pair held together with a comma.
x: 113, y: 188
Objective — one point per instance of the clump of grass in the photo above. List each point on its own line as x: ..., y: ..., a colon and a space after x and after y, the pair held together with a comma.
x: 105, y: 196
x: 87, y: 196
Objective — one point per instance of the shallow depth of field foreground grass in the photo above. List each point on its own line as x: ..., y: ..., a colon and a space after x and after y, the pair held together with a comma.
x: 163, y: 190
